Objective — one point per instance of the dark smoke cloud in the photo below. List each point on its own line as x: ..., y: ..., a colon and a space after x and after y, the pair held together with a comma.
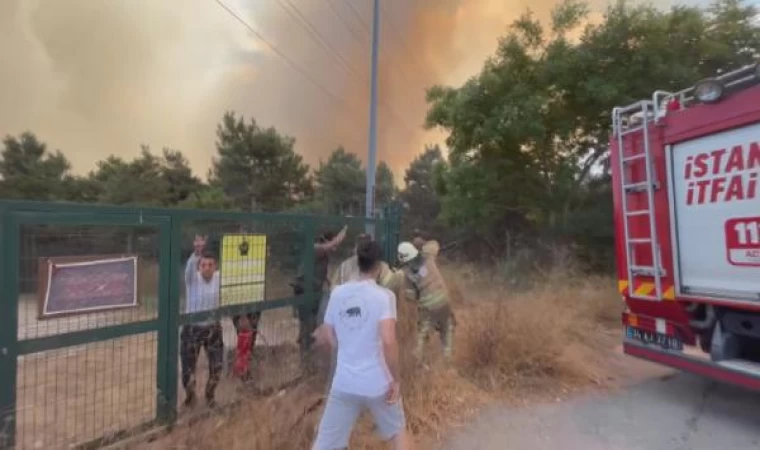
x: 100, y: 77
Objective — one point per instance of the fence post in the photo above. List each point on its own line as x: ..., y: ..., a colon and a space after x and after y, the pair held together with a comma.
x: 9, y: 260
x: 392, y: 229
x: 307, y: 263
x: 168, y: 321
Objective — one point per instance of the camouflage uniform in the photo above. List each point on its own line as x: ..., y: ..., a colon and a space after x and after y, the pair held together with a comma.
x: 425, y: 285
x: 308, y: 314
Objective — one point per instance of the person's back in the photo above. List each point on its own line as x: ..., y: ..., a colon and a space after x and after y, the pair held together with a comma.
x: 361, y: 322
x: 355, y: 311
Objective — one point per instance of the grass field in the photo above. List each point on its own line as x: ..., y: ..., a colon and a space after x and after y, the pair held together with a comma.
x: 78, y: 394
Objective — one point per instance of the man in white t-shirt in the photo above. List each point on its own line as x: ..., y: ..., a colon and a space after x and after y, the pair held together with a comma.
x: 361, y: 322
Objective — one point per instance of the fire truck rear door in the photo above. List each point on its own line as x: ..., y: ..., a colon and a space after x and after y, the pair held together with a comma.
x: 715, y: 212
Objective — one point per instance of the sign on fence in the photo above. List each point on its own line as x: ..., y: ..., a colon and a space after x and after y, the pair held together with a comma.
x: 243, y: 268
x: 86, y: 284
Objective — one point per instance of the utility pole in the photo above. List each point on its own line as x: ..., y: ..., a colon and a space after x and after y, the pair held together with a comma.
x: 372, y: 147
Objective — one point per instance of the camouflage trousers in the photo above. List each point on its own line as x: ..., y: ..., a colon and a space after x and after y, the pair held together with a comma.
x: 440, y: 319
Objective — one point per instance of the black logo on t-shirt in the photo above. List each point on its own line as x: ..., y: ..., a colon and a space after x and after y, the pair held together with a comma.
x: 354, y: 312
x: 353, y: 317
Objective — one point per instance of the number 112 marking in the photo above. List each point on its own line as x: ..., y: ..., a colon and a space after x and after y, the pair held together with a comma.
x: 747, y: 232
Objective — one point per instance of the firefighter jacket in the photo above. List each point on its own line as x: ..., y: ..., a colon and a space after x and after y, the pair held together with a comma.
x: 424, y: 281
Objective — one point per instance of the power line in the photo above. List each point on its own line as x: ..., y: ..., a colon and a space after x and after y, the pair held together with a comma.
x: 357, y: 36
x: 307, y: 26
x: 357, y: 15
x: 279, y: 53
x: 359, y: 18
x: 300, y: 68
x: 361, y: 21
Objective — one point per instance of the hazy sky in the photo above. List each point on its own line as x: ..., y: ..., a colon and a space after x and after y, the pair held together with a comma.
x: 101, y: 77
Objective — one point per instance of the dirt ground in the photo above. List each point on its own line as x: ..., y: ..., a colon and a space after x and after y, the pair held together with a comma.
x: 77, y: 394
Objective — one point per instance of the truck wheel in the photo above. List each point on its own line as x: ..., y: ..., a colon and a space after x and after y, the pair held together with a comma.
x: 705, y: 340
x: 724, y: 345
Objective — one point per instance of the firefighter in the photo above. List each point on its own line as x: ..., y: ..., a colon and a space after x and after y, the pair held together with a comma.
x: 425, y: 286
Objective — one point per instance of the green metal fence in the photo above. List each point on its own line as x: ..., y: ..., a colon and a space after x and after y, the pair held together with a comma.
x: 82, y: 379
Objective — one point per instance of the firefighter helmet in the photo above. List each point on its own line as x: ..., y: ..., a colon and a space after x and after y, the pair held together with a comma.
x: 407, y: 252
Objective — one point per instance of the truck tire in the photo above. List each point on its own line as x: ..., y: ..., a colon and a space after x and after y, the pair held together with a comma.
x: 705, y: 340
x: 724, y: 345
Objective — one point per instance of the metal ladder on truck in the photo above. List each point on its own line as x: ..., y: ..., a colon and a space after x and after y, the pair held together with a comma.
x: 623, y: 122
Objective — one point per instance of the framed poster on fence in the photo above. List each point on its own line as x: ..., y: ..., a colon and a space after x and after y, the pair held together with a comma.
x: 85, y: 284
x: 243, y: 268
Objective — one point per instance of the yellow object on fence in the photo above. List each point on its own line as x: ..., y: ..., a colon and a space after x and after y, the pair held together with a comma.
x: 243, y: 268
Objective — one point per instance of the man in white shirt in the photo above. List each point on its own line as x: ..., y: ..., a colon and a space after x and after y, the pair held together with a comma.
x: 361, y: 322
x: 202, y: 294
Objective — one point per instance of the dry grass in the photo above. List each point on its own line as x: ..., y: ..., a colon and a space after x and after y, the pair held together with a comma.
x: 538, y: 339
x: 526, y: 343
x: 80, y: 393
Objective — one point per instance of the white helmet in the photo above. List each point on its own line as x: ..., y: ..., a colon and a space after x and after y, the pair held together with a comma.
x: 407, y: 252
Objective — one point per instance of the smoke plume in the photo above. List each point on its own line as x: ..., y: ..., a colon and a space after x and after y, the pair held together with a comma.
x: 95, y: 78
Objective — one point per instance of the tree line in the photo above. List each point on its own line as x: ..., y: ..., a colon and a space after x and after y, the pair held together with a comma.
x: 528, y: 135
x: 527, y: 163
x: 254, y: 169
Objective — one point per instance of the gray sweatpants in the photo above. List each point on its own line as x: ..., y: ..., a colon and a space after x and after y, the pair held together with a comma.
x: 342, y: 411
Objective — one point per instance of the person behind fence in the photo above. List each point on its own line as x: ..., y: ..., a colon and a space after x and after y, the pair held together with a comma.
x: 247, y: 330
x: 202, y: 282
x: 425, y: 286
x: 308, y: 314
x: 360, y: 321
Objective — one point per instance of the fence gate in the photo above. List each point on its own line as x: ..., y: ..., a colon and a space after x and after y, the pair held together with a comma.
x: 91, y: 304
x: 69, y: 377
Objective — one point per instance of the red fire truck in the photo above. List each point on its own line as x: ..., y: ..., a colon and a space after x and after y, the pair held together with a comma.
x: 686, y: 189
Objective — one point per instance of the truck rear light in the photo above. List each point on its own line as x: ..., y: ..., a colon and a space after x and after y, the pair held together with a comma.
x: 674, y: 105
x: 708, y: 91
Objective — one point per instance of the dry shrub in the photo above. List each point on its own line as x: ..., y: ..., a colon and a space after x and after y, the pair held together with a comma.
x: 286, y: 420
x: 506, y: 342
x: 528, y: 339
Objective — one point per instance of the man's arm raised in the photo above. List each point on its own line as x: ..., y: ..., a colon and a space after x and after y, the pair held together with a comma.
x: 191, y: 268
x: 335, y: 242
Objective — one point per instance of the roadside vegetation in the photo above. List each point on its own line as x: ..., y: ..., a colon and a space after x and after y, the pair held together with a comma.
x: 542, y: 342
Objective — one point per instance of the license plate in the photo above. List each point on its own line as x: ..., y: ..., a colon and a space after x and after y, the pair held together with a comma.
x: 647, y: 337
